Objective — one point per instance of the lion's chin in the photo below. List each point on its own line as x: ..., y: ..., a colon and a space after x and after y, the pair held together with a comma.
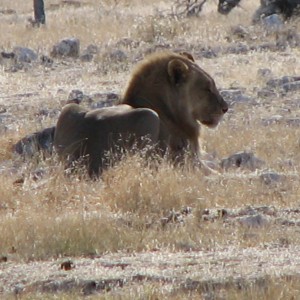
x: 212, y: 123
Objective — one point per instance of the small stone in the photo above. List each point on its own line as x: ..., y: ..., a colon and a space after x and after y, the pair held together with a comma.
x: 239, y: 31
x: 92, y: 49
x: 89, y: 287
x: 222, y: 213
x: 278, y: 82
x: 289, y: 37
x: 264, y: 73
x: 230, y: 93
x: 66, y: 48
x: 291, y: 86
x: 272, y: 23
x: 67, y: 265
x: 127, y: 42
x: 237, y: 49
x: 86, y: 57
x: 242, y: 160
x: 8, y: 55
x: 75, y: 96
x: 254, y: 221
x: 117, y: 56
x: 293, y: 122
x: 276, y: 119
x: 38, y: 141
x: 46, y: 61
x: 234, y: 96
x: 8, y: 11
x: 266, y: 93
x: 269, y: 178
x: 208, y: 53
x: 24, y: 55
x: 74, y: 3
x: 3, y: 259
x: 88, y: 54
x: 104, y: 99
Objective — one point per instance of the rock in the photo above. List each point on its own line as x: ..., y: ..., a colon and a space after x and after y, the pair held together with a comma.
x: 239, y: 31
x: 66, y: 48
x: 278, y: 119
x: 8, y: 11
x: 237, y: 49
x: 46, y: 61
x: 293, y: 122
x: 291, y: 86
x: 264, y: 73
x: 5, y: 116
x: 279, y: 82
x: 269, y: 178
x: 50, y: 113
x: 24, y: 55
x: 208, y: 53
x: 254, y: 221
x: 86, y: 57
x: 36, y: 142
x: 233, y: 96
x: 268, y: 46
x: 19, y: 289
x: 127, y: 42
x: 272, y: 120
x: 242, y: 160
x: 92, y: 49
x: 116, y: 56
x: 225, y: 6
x: 230, y: 94
x: 104, y: 99
x: 67, y: 265
x: 250, y: 210
x: 89, y: 287
x: 88, y: 54
x: 3, y: 259
x: 75, y: 96
x: 266, y: 93
x: 74, y: 3
x: 272, y: 23
x: 8, y: 55
x: 289, y: 37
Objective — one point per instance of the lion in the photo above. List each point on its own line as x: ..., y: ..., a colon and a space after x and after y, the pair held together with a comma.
x: 182, y: 94
x: 98, y: 133
x: 166, y: 99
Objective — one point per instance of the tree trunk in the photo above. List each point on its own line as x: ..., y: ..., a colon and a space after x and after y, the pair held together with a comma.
x: 39, y: 12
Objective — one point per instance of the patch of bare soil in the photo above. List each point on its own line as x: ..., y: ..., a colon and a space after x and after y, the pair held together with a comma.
x: 191, y: 270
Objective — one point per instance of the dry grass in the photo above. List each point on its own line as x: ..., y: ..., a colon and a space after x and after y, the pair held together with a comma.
x: 54, y: 215
x: 284, y: 288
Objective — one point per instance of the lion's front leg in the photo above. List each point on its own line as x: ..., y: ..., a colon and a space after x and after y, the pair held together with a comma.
x: 200, y: 159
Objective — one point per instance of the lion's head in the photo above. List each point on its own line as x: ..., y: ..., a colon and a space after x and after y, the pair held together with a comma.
x: 180, y: 92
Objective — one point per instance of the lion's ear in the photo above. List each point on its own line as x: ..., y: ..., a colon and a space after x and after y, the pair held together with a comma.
x: 177, y: 70
x: 187, y: 55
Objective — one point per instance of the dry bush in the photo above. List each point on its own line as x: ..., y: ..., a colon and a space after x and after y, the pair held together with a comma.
x: 7, y: 142
x: 132, y: 186
x: 85, y: 217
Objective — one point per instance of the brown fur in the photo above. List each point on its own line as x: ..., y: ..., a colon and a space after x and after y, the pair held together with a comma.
x: 98, y: 134
x: 167, y: 96
x: 182, y: 94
